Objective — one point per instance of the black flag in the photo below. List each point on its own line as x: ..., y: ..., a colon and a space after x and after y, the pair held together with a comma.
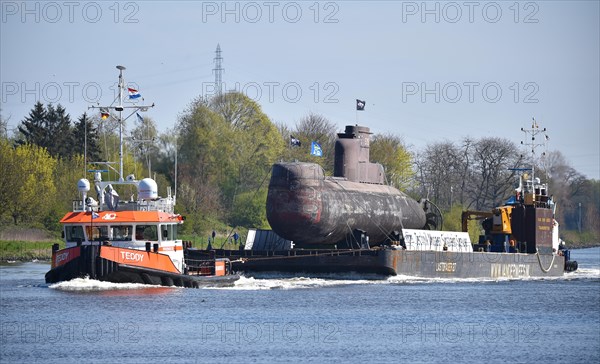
x: 360, y: 105
x: 294, y: 142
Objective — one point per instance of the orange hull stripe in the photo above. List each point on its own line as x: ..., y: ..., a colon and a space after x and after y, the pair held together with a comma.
x: 219, y: 268
x: 139, y: 258
x: 64, y: 256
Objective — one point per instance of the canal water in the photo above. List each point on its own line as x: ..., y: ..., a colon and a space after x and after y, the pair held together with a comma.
x: 274, y: 318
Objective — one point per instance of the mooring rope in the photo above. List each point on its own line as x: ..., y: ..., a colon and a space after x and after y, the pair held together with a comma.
x: 537, y: 253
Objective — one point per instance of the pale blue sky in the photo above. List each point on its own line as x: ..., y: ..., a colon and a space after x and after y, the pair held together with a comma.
x: 386, y: 53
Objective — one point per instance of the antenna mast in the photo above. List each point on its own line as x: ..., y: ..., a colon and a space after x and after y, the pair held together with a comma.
x: 531, y: 142
x: 218, y: 71
x: 120, y: 108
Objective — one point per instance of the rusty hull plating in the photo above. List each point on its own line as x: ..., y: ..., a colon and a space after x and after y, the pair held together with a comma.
x: 311, y: 209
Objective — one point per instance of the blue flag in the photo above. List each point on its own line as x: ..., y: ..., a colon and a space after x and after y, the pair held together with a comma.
x: 315, y: 149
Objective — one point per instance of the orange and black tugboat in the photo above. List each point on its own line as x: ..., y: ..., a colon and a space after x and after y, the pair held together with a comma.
x: 133, y: 241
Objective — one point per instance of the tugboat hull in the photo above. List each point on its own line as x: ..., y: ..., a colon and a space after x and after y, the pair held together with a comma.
x: 103, y: 263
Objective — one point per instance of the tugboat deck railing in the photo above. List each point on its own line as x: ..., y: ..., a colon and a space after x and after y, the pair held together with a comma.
x: 162, y: 205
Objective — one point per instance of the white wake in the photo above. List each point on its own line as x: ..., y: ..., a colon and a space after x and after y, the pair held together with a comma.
x: 86, y: 284
x: 265, y: 281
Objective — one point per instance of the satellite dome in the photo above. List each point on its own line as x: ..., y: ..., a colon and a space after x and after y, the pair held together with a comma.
x: 147, y: 189
x: 83, y: 185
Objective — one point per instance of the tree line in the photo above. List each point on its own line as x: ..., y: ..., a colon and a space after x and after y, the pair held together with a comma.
x: 225, y: 147
x: 479, y: 174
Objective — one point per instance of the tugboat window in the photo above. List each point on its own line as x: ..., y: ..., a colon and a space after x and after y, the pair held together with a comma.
x: 122, y: 233
x: 97, y: 233
x: 172, y: 232
x: 74, y: 233
x: 169, y: 232
x: 146, y: 232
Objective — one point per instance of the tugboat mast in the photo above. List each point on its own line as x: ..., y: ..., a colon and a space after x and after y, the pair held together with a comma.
x: 119, y: 107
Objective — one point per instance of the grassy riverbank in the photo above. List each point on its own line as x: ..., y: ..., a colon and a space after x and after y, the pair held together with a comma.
x: 578, y: 240
x: 27, y: 250
x: 23, y: 243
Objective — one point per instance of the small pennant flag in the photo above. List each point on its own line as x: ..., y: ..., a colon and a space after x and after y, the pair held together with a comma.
x: 315, y: 149
x: 104, y: 114
x: 294, y: 142
x: 133, y: 93
x: 139, y: 117
x: 95, y: 215
x: 360, y: 105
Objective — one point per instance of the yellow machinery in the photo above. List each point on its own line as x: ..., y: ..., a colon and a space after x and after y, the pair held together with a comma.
x: 501, y: 220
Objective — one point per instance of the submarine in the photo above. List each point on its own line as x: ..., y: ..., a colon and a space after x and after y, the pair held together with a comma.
x: 352, y: 207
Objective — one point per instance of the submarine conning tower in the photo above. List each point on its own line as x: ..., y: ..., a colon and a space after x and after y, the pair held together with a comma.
x: 352, y: 157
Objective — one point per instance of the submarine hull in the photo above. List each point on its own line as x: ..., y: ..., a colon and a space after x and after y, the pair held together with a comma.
x: 310, y: 209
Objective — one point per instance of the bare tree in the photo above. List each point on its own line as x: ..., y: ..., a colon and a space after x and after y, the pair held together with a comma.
x: 492, y: 180
x: 566, y: 185
x: 143, y: 141
x: 236, y: 109
x: 440, y: 169
x: 465, y: 176
x: 315, y: 127
x: 474, y: 174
